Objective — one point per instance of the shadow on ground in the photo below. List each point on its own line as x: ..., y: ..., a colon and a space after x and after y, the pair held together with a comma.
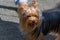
x: 9, y: 31
x: 9, y: 7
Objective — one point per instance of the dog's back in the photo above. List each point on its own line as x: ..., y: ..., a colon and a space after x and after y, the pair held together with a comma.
x: 50, y: 23
x: 51, y: 20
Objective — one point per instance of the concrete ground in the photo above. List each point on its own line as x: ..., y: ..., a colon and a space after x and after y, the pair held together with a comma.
x: 9, y: 18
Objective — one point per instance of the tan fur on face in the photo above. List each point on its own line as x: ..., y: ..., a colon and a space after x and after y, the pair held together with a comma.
x: 27, y: 16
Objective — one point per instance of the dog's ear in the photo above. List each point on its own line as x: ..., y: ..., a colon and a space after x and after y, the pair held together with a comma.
x: 34, y: 3
x: 20, y: 9
x: 22, y: 6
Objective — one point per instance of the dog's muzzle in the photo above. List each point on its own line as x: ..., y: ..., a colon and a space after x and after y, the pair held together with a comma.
x: 32, y: 21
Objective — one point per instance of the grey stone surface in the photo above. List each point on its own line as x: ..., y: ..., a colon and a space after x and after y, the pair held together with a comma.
x: 9, y: 18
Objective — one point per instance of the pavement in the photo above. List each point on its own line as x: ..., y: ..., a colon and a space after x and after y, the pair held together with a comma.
x: 9, y: 20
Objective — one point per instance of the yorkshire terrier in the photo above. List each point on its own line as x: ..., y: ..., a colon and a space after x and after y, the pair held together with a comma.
x: 34, y: 25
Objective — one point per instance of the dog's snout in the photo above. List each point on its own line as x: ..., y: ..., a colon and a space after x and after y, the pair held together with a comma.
x: 33, y: 21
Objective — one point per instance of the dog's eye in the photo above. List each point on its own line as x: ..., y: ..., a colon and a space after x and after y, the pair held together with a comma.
x: 28, y: 16
x: 36, y: 16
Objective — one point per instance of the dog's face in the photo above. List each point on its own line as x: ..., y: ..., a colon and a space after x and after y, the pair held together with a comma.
x: 30, y: 17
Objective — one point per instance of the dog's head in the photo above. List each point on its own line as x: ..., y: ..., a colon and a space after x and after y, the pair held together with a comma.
x: 29, y: 15
x: 32, y: 17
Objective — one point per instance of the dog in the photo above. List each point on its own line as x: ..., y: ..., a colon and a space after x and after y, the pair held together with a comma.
x: 29, y: 19
x: 36, y: 27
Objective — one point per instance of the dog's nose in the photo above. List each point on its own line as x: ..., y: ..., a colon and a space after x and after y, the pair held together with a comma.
x: 33, y: 21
